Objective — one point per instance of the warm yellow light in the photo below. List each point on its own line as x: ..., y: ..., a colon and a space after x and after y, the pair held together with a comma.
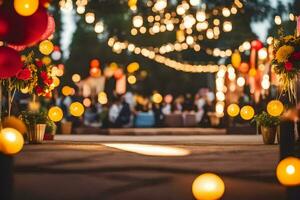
x: 55, y: 114
x: 233, y: 110
x: 157, y: 98
x: 240, y: 81
x: 277, y: 20
x: 26, y: 7
x: 208, y: 186
x: 66, y: 90
x: 46, y: 60
x: 288, y: 171
x: 137, y: 21
x: 24, y: 90
x: 252, y: 72
x: 76, y: 109
x: 149, y: 150
x: 236, y: 59
x: 131, y: 79
x: 11, y: 141
x: 90, y: 18
x: 275, y: 108
x: 262, y: 54
x: 133, y: 67
x: 76, y: 78
x: 247, y: 112
x: 46, y: 47
x: 56, y: 81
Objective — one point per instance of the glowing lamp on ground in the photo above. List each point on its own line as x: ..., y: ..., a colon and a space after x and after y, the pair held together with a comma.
x: 76, y: 109
x: 26, y: 7
x: 252, y: 72
x: 275, y: 108
x: 157, y: 98
x: 55, y: 114
x: 11, y: 141
x: 46, y: 47
x: 208, y: 186
x: 247, y: 112
x: 233, y: 110
x: 288, y: 171
x: 76, y: 78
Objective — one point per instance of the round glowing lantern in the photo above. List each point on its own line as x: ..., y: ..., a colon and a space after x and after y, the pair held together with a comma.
x: 19, y: 30
x: 11, y: 141
x: 257, y: 45
x: 10, y: 62
x: 55, y: 114
x: 244, y: 67
x: 95, y: 63
x: 288, y: 171
x: 76, y: 109
x: 26, y: 7
x: 275, y: 108
x: 247, y: 112
x: 236, y: 59
x: 46, y: 47
x: 208, y: 186
x: 15, y: 123
x: 233, y: 110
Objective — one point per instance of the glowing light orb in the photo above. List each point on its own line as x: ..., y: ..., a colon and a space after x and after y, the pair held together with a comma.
x: 208, y: 186
x: 55, y: 113
x: 157, y: 98
x: 76, y: 109
x: 11, y: 141
x: 275, y: 108
x: 76, y: 78
x: 233, y: 110
x: 46, y: 47
x: 247, y: 112
x: 26, y: 7
x: 288, y: 171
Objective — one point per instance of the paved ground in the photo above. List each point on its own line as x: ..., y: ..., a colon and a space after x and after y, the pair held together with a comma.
x: 88, y: 168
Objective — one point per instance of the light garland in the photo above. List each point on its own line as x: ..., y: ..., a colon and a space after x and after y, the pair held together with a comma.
x: 118, y: 47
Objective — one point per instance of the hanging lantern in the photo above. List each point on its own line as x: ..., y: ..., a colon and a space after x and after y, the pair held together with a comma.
x: 26, y: 7
x: 275, y: 108
x: 11, y: 141
x: 244, y: 67
x: 76, y: 109
x: 236, y: 59
x: 55, y: 113
x: 233, y: 110
x: 247, y: 112
x: 208, y: 186
x: 288, y: 171
x: 10, y: 62
x: 46, y: 47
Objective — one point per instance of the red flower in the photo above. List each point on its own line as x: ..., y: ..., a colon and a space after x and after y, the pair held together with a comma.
x: 296, y: 56
x: 24, y: 74
x: 39, y: 90
x: 44, y: 75
x: 48, y: 81
x: 39, y: 63
x: 288, y: 66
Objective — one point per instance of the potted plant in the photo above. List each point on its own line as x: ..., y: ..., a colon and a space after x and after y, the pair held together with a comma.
x: 50, y: 130
x: 36, y: 125
x: 268, y: 126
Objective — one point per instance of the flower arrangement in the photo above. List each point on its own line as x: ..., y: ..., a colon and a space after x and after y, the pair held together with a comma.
x: 34, y: 77
x: 286, y: 62
x: 266, y: 120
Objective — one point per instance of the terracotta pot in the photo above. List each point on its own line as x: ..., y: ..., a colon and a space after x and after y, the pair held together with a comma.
x: 36, y: 133
x: 66, y: 128
x: 268, y: 134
